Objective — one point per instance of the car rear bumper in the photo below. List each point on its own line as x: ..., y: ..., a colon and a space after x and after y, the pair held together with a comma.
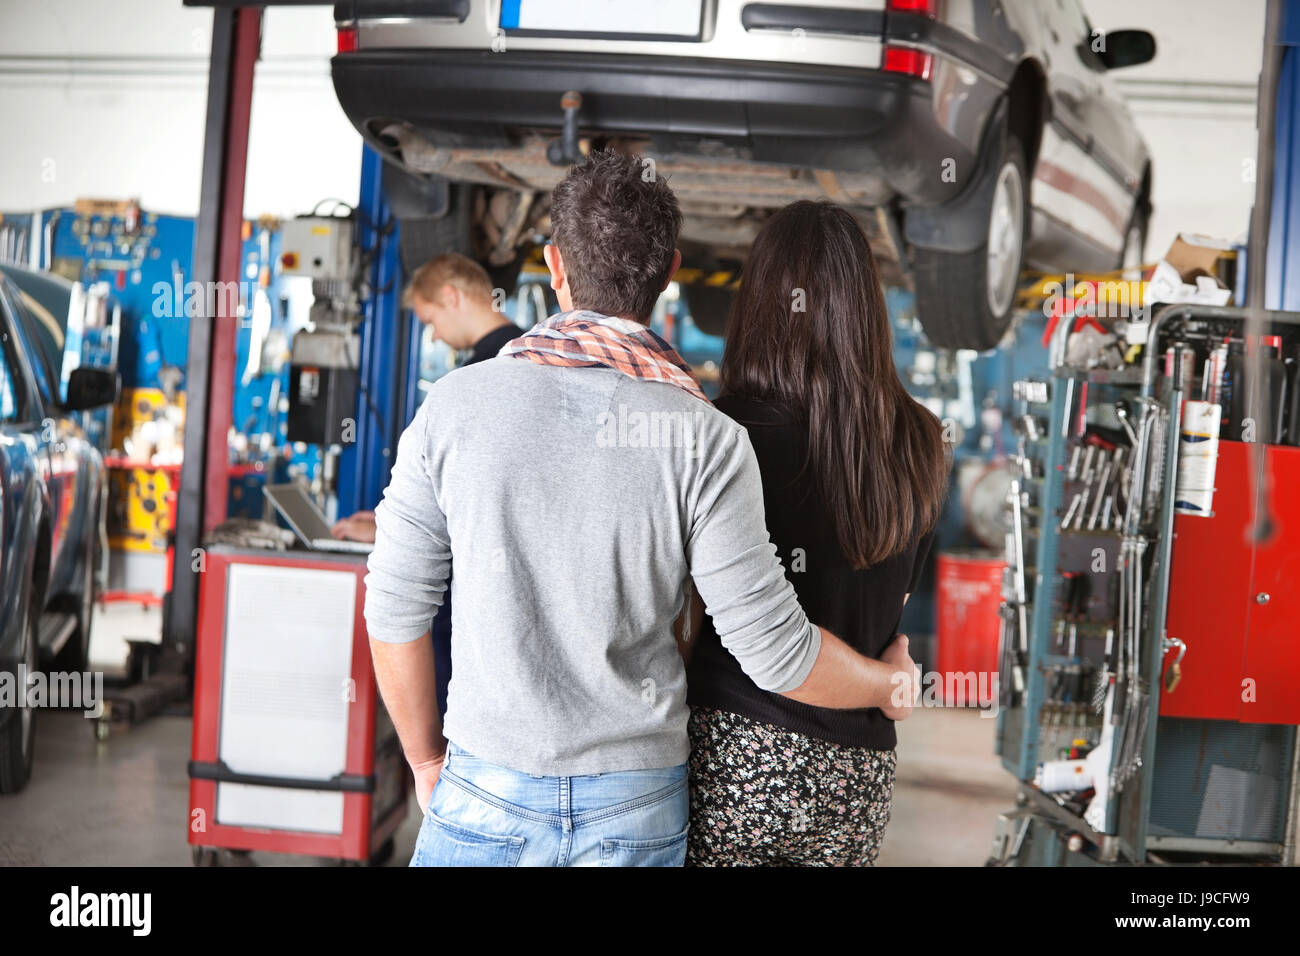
x: 834, y: 118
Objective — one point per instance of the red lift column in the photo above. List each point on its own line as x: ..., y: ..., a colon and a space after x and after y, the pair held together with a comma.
x: 210, y: 371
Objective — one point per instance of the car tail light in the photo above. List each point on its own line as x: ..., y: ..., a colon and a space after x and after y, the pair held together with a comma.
x: 347, y: 39
x: 905, y: 60
x: 923, y: 7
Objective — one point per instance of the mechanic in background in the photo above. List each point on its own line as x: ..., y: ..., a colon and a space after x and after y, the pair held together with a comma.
x: 453, y: 296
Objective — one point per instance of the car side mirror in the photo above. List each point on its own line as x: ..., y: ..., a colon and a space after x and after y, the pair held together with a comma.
x: 1126, y: 48
x: 91, y: 388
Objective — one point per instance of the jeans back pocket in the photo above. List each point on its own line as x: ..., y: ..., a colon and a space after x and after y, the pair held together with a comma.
x: 443, y: 843
x: 664, y: 851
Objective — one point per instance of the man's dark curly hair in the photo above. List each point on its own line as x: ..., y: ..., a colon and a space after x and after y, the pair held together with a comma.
x: 615, y: 222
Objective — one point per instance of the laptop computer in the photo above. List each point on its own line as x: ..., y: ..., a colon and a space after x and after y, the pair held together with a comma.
x: 306, y: 519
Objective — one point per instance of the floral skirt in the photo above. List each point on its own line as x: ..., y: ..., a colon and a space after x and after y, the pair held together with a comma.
x: 762, y: 795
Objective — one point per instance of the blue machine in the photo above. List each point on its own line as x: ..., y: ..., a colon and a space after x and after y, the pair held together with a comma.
x: 134, y: 254
x: 389, y: 356
x: 1283, y: 267
x: 145, y: 258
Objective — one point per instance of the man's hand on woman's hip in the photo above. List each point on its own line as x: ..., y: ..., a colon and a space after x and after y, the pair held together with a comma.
x: 906, y: 680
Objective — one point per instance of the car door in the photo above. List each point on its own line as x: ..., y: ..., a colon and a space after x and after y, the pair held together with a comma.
x: 1072, y: 81
x: 22, y: 460
x: 1077, y: 186
x: 38, y: 430
x: 1115, y: 141
x: 60, y: 438
x: 14, y: 449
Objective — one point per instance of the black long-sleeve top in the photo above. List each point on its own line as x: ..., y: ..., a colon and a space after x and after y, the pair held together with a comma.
x: 861, y: 607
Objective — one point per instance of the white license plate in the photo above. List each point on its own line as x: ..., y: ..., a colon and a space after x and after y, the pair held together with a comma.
x: 667, y: 19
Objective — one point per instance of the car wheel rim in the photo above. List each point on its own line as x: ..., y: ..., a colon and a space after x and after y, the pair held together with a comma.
x: 1006, y: 236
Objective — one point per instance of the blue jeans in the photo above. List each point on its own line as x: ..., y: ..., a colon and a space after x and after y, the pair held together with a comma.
x: 483, y: 814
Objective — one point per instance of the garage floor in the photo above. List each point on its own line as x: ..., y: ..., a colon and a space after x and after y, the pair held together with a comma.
x: 124, y: 802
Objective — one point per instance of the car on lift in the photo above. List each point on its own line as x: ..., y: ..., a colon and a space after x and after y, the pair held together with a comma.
x: 52, y: 484
x: 971, y: 139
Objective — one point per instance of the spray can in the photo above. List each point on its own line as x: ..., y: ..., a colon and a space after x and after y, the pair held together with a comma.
x: 1232, y: 395
x: 1189, y: 359
x: 1198, y: 458
x: 1063, y: 776
x: 1215, y: 365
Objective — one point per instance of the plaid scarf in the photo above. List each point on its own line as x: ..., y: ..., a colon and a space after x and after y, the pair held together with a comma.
x: 588, y: 339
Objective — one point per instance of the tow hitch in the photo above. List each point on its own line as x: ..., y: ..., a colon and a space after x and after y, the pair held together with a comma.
x: 565, y: 151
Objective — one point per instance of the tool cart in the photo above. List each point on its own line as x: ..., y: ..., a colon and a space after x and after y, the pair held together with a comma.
x: 1147, y: 669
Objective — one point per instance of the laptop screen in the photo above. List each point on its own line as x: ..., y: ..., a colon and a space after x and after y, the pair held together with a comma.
x: 297, y: 508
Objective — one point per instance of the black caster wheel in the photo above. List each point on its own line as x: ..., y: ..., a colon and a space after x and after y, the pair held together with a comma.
x: 379, y: 856
x: 382, y: 853
x: 206, y: 856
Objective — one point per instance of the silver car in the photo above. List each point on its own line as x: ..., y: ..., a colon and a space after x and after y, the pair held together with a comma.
x: 970, y: 137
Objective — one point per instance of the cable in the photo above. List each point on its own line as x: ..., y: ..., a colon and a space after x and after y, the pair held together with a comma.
x: 337, y: 202
x: 365, y: 393
x: 355, y: 213
x: 365, y: 258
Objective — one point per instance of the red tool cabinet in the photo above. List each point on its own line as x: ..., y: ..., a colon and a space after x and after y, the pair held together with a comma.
x: 1234, y: 602
x: 292, y: 750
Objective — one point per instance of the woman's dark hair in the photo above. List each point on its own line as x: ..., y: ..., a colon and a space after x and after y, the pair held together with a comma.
x: 809, y: 329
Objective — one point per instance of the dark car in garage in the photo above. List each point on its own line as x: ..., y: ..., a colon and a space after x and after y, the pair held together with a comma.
x: 52, y: 483
x: 970, y: 138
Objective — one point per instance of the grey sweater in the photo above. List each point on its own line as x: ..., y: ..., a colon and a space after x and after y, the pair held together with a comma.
x: 576, y: 504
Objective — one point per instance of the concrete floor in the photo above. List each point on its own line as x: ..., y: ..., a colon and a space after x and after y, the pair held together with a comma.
x: 949, y: 792
x: 124, y: 801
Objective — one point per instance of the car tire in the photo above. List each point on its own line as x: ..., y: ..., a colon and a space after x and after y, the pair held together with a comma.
x: 18, y: 735
x: 381, y: 854
x: 422, y: 238
x: 965, y: 299
x: 709, y: 306
x: 205, y: 856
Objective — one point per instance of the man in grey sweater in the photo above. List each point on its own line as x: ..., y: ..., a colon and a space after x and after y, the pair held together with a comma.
x: 579, y: 484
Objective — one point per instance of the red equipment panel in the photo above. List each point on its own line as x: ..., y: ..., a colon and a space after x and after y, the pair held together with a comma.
x: 1209, y: 591
x: 369, y: 818
x: 1273, y: 640
x: 1216, y: 574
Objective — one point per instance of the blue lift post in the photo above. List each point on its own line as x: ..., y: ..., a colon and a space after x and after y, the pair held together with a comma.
x: 1283, y: 256
x: 389, y: 343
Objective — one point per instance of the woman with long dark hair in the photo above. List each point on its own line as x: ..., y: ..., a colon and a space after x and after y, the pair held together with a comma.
x: 854, y: 473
